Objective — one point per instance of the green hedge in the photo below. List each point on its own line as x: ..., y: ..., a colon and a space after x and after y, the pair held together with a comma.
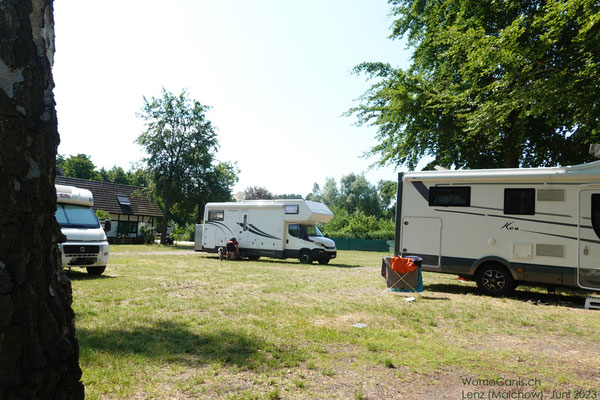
x: 363, y: 244
x: 376, y: 235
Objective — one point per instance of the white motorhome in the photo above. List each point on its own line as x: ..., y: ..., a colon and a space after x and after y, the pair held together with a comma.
x: 271, y: 228
x: 502, y: 227
x: 86, y: 244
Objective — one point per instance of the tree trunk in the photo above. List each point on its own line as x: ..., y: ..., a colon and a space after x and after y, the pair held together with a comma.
x: 38, y: 349
x: 165, y: 224
x: 511, y: 145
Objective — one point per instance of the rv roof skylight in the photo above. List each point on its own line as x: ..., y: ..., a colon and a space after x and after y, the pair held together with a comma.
x: 123, y: 200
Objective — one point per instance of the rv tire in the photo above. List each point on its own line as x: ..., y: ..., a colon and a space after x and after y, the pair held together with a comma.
x: 305, y: 257
x: 324, y: 261
x: 494, y: 279
x: 95, y: 270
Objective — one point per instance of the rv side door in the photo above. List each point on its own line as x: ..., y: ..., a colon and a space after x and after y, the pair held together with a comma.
x: 421, y: 236
x: 588, y: 269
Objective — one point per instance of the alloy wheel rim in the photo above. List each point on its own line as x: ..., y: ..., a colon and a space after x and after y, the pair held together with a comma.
x: 493, y: 280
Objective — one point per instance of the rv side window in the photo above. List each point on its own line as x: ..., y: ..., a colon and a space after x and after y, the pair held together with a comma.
x: 294, y: 230
x: 596, y: 213
x: 215, y: 215
x: 455, y: 196
x: 291, y: 209
x: 519, y: 201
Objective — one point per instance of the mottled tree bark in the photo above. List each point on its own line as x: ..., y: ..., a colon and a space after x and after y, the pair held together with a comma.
x: 38, y: 349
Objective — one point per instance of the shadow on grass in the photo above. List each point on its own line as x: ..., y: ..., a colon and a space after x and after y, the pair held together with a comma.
x: 296, y: 262
x: 80, y: 274
x: 335, y: 265
x: 176, y: 246
x: 562, y: 297
x: 170, y: 342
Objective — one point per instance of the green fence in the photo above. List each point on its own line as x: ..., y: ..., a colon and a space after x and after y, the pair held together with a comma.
x: 364, y: 245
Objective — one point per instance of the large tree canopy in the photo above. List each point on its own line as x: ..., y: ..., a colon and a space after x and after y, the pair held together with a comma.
x: 79, y: 166
x: 355, y: 194
x: 492, y: 84
x: 181, y: 144
x: 178, y: 140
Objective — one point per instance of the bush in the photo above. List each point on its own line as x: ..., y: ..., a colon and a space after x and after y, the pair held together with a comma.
x: 146, y: 234
x: 183, y: 233
x: 358, y: 226
x: 102, y: 215
x: 375, y: 235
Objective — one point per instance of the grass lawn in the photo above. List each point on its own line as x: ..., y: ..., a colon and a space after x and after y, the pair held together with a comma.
x: 169, y: 323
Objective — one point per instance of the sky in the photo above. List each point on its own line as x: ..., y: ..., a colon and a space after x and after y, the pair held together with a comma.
x: 277, y: 75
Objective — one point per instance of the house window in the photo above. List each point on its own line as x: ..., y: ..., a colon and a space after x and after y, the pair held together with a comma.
x: 519, y: 201
x: 292, y: 209
x: 450, y: 196
x: 123, y: 200
x: 216, y: 215
x: 127, y: 227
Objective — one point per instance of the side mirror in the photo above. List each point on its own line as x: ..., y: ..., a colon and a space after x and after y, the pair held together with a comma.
x: 107, y: 225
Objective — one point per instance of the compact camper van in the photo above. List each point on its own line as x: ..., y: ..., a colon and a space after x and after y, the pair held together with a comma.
x: 86, y: 244
x: 501, y: 227
x: 271, y: 228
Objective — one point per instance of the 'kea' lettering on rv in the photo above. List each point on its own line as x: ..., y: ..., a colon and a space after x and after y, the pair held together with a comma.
x: 508, y: 226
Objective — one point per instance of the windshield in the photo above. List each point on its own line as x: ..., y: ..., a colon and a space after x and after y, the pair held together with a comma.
x: 75, y: 216
x: 312, y: 230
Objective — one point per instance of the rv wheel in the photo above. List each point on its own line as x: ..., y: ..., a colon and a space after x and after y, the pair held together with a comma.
x: 494, y: 279
x: 324, y: 261
x: 96, y: 270
x: 306, y: 257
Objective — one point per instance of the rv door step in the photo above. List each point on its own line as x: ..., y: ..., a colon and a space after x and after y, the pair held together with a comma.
x: 592, y: 302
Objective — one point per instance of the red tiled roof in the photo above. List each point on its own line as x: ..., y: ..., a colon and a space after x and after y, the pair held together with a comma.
x: 105, y: 197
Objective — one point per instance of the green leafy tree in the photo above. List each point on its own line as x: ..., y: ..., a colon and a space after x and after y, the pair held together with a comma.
x: 211, y: 184
x: 79, y: 166
x: 358, y: 195
x: 492, y: 84
x: 258, y: 193
x: 386, y: 191
x: 138, y: 177
x: 115, y: 175
x: 179, y: 140
x: 289, y: 196
x: 329, y: 195
x: 316, y: 194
